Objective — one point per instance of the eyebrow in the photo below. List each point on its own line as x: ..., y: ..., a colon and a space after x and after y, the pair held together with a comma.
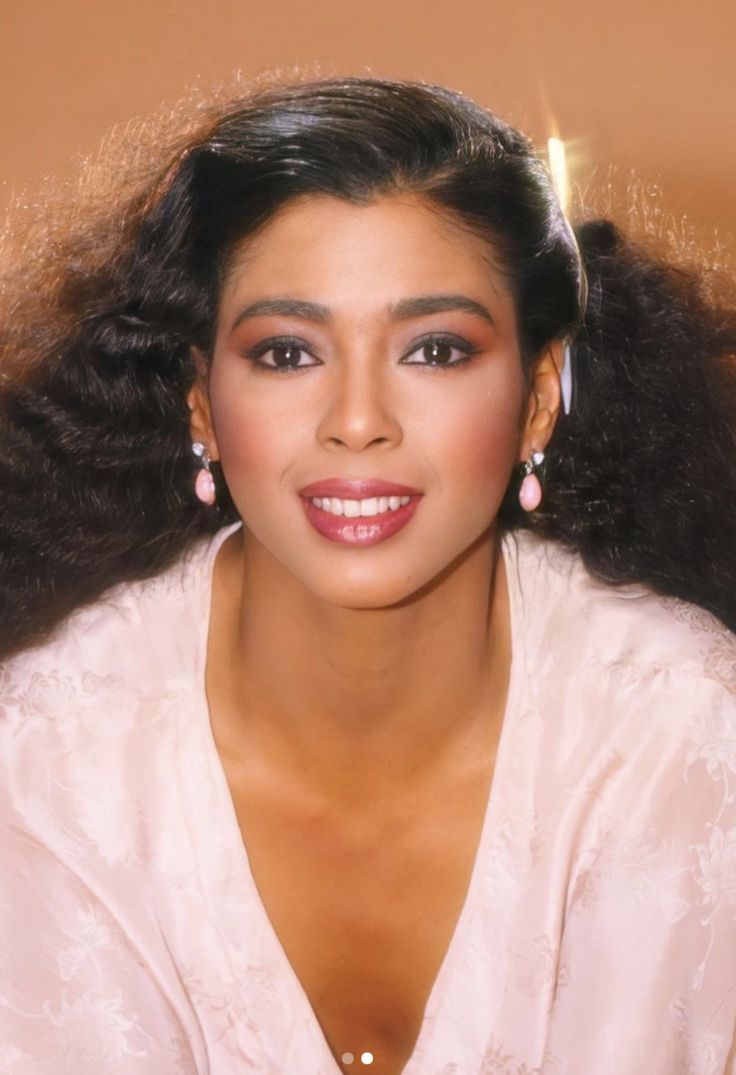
x: 401, y: 311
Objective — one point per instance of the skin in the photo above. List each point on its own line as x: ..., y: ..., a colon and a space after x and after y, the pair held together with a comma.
x: 398, y: 654
x: 356, y: 694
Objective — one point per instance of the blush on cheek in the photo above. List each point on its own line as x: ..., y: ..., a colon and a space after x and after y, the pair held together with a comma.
x: 485, y: 460
x: 256, y: 454
x: 484, y: 446
x: 245, y: 438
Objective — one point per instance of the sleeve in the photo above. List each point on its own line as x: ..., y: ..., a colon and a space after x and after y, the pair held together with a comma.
x: 647, y: 974
x: 76, y: 996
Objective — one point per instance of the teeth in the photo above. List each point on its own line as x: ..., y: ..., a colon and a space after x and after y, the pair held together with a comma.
x: 352, y: 509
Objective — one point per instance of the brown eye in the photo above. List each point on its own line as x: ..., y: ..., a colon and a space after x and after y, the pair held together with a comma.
x: 281, y: 355
x: 438, y: 351
x: 285, y: 355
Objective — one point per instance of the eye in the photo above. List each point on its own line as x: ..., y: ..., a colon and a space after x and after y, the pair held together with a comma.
x: 286, y: 353
x: 437, y: 351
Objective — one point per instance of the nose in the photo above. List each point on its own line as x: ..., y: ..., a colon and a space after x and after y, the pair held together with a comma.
x: 360, y: 412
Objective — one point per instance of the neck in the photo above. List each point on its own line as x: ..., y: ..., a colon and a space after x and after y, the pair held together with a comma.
x: 355, y: 699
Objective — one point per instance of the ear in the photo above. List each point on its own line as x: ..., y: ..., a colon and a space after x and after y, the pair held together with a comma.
x: 543, y: 402
x: 201, y: 427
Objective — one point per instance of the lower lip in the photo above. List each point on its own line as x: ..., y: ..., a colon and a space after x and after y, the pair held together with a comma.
x: 362, y: 530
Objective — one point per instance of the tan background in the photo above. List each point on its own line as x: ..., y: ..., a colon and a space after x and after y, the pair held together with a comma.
x: 642, y: 85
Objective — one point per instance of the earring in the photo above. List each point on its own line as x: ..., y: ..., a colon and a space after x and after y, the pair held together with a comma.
x: 530, y: 493
x: 204, y: 486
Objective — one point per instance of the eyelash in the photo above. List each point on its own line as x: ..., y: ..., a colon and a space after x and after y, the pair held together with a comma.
x: 255, y: 353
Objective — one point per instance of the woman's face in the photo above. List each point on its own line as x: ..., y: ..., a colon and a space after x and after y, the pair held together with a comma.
x: 365, y: 343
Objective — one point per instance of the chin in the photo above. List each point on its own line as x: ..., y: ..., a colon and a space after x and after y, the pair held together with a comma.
x: 367, y: 602
x: 373, y: 592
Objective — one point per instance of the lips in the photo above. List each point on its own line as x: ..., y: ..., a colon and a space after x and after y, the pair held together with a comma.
x: 357, y: 489
x: 365, y: 530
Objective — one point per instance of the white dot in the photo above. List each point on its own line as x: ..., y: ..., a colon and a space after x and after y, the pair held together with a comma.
x: 347, y: 1058
x: 366, y: 1058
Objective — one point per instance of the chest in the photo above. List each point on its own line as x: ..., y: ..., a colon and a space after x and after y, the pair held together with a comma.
x: 365, y: 908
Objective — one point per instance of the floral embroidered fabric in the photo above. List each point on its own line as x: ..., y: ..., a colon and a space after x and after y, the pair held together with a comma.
x: 598, y: 934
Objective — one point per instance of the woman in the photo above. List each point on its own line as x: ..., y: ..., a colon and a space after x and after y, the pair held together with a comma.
x: 362, y: 707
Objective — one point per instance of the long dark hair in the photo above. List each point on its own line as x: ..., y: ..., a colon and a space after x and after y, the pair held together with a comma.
x: 96, y: 468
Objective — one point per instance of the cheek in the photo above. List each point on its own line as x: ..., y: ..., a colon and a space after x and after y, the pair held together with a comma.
x: 479, y: 441
x: 253, y: 444
x: 487, y: 446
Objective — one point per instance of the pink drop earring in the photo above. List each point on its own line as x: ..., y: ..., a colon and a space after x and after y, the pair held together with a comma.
x: 204, y: 486
x: 530, y: 493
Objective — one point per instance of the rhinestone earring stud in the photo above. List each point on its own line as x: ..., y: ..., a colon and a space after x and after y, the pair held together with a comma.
x: 204, y: 485
x: 530, y: 493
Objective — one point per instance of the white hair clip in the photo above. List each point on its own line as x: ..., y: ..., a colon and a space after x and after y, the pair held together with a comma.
x: 566, y: 379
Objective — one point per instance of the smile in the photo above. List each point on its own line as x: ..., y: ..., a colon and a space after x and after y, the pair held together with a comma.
x: 353, y: 508
x: 359, y: 522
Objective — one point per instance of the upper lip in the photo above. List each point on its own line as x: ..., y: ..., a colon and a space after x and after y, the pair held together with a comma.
x: 357, y: 489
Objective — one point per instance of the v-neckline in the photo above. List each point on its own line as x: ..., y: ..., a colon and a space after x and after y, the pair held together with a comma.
x: 239, y: 853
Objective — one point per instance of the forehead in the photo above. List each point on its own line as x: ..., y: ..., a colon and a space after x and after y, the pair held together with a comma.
x: 393, y: 244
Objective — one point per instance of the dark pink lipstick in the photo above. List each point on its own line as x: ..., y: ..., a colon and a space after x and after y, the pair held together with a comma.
x: 358, y: 529
x: 357, y: 488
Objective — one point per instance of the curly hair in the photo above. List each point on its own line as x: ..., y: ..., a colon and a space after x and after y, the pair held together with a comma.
x: 99, y: 323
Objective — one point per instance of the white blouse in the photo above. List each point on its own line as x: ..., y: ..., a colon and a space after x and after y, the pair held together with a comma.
x: 598, y: 933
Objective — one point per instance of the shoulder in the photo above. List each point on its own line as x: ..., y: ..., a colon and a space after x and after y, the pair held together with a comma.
x: 92, y: 721
x: 113, y: 650
x: 625, y: 634
x: 627, y: 686
x: 632, y: 697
